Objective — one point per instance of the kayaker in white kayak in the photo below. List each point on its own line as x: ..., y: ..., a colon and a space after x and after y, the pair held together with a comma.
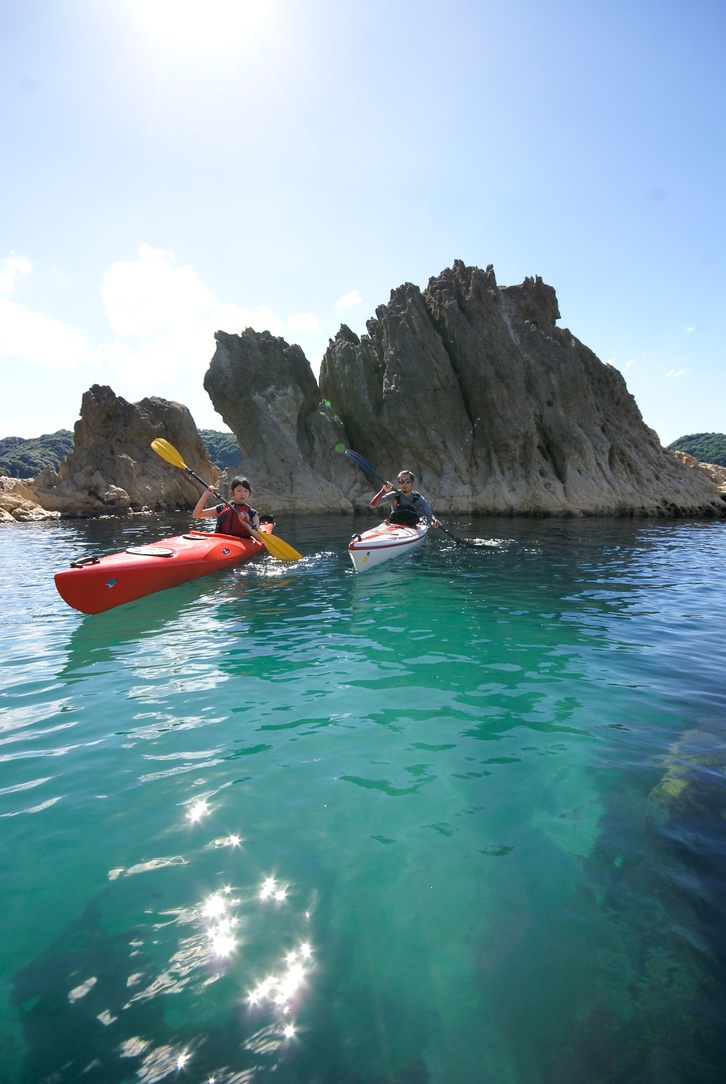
x: 231, y: 520
x: 406, y: 501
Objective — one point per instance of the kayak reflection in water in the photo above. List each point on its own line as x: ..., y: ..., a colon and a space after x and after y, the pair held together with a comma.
x: 231, y: 520
x: 408, y: 505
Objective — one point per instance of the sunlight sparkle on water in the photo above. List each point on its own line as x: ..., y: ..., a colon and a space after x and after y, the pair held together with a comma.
x: 270, y: 890
x: 280, y: 990
x: 214, y: 906
x: 198, y: 810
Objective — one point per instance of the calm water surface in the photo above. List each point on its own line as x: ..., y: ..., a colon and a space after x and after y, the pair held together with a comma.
x: 460, y: 820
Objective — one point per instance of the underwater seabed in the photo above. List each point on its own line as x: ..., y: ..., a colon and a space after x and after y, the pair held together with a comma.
x: 635, y: 998
x: 460, y: 823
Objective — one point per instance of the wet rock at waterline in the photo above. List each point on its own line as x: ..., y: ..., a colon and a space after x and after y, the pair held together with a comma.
x: 471, y: 385
x: 113, y: 468
x: 558, y: 433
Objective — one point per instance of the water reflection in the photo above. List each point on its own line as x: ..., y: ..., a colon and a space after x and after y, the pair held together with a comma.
x: 480, y: 838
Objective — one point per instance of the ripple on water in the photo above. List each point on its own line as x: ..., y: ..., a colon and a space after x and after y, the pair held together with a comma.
x: 454, y: 820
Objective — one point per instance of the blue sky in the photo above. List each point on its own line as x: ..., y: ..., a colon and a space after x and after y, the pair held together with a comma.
x: 170, y: 167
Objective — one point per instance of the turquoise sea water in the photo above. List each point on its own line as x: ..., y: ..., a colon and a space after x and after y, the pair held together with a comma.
x: 459, y: 820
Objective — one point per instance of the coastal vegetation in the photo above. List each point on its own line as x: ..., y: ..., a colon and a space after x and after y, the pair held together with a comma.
x: 26, y: 458
x: 222, y: 448
x: 21, y: 458
x: 705, y: 447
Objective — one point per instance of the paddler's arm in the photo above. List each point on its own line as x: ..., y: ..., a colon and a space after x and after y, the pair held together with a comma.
x: 385, y: 489
x: 424, y: 509
x: 200, y: 512
x: 253, y: 522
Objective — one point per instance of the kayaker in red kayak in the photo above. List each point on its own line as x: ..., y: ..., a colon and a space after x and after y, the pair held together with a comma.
x: 405, y: 500
x: 231, y: 520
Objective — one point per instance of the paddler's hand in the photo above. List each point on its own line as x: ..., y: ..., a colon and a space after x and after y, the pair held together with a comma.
x: 387, y: 487
x: 436, y: 523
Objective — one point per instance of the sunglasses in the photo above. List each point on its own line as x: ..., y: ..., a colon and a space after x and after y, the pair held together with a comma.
x: 405, y: 481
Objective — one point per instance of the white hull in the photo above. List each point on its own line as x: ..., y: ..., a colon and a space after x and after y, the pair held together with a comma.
x: 383, y: 543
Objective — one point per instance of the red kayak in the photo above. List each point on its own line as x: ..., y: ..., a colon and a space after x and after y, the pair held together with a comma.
x: 95, y: 584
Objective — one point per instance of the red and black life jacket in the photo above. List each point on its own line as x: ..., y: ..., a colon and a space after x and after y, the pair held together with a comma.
x: 228, y: 521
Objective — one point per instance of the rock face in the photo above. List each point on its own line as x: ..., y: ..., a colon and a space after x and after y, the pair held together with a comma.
x: 556, y: 431
x: 715, y: 471
x: 113, y: 468
x: 17, y: 505
x: 266, y: 393
x: 469, y: 384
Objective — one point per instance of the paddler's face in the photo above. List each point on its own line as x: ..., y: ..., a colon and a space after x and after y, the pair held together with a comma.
x: 240, y: 494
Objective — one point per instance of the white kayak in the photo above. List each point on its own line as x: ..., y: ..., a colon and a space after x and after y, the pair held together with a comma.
x: 383, y: 542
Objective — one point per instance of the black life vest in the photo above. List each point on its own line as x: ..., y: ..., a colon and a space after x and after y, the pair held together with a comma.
x: 228, y: 521
x: 404, y: 514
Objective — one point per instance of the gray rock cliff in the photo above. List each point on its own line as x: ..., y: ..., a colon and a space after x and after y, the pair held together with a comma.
x: 267, y: 394
x: 556, y: 430
x: 471, y: 385
x: 113, y: 468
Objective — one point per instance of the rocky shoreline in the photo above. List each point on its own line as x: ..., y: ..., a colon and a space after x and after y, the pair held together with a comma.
x: 465, y: 381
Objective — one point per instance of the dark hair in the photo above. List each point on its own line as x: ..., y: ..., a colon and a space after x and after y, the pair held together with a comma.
x: 410, y: 473
x: 239, y: 482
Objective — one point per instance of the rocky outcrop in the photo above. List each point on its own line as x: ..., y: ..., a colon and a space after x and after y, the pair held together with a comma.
x: 17, y: 504
x: 556, y: 431
x: 714, y: 471
x: 113, y: 468
x: 471, y: 385
x: 266, y: 393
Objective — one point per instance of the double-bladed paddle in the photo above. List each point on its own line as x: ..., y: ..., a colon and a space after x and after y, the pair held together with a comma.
x: 363, y: 463
x: 271, y: 542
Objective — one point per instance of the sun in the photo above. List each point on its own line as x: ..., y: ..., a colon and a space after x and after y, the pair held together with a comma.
x: 201, y: 24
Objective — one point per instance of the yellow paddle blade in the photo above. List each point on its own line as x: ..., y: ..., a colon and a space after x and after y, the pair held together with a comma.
x: 277, y: 547
x: 168, y: 452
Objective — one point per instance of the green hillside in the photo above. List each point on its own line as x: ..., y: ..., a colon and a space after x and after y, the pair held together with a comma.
x: 706, y: 447
x: 222, y: 448
x: 26, y: 458
x: 21, y: 458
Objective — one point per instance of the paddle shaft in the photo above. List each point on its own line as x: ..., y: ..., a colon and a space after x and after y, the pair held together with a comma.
x: 276, y: 546
x: 363, y: 463
x: 250, y: 528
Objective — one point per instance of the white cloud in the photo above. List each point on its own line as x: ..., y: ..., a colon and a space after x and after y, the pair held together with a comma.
x: 345, y: 302
x: 162, y: 319
x: 304, y: 321
x: 166, y: 317
x: 13, y: 267
x: 151, y: 294
x: 676, y: 372
x: 690, y: 330
x: 34, y: 337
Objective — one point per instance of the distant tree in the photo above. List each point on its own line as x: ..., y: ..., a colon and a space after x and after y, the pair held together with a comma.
x: 706, y: 447
x: 26, y: 458
x: 222, y: 448
x: 21, y: 458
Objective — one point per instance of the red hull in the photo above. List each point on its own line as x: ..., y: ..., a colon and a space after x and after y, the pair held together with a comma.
x: 96, y: 584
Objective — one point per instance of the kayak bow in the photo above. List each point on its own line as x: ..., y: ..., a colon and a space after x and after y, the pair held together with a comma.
x: 95, y: 584
x: 384, y: 542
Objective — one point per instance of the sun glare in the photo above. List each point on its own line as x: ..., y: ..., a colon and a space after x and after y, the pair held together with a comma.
x: 201, y: 24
